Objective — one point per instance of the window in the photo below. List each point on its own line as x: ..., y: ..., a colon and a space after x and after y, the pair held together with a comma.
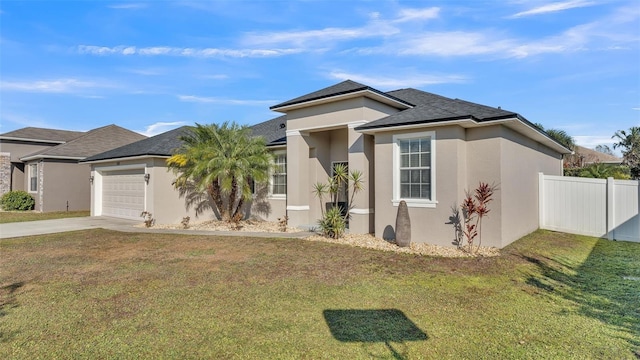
x: 279, y: 176
x: 33, y: 177
x: 413, y: 178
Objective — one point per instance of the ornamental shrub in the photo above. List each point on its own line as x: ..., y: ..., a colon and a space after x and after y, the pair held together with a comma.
x: 17, y: 200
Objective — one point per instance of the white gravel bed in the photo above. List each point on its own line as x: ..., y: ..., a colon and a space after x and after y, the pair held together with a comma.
x: 216, y: 225
x: 360, y: 240
x: 372, y: 242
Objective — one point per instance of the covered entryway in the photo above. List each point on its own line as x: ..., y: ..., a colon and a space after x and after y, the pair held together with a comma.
x: 123, y: 193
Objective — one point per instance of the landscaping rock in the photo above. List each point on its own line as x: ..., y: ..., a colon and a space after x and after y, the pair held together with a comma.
x: 403, y: 225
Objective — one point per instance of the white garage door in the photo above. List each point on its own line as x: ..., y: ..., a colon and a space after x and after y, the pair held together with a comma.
x: 123, y: 193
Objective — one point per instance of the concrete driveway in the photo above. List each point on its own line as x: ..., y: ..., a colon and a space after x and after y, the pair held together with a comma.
x: 28, y: 228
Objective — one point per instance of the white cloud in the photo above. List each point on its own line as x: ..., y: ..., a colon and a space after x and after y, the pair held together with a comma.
x: 411, y: 80
x: 376, y: 27
x: 184, y: 52
x: 147, y: 71
x: 417, y: 14
x: 455, y: 43
x: 49, y: 86
x: 215, y: 100
x: 591, y: 141
x: 23, y: 120
x: 160, y: 127
x: 553, y: 7
x: 326, y: 35
x: 214, y: 76
x: 636, y: 108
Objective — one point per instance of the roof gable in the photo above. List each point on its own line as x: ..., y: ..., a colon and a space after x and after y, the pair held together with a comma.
x: 343, y: 88
x: 41, y: 135
x: 90, y: 143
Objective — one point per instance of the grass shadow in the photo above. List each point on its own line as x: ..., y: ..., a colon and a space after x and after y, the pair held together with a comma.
x: 606, y: 286
x: 8, y: 301
x: 374, y: 326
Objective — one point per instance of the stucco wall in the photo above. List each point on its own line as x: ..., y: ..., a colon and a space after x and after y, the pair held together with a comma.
x: 165, y: 202
x: 65, y: 181
x: 522, y: 160
x: 337, y: 113
x: 484, y: 155
x: 16, y: 150
x: 427, y: 224
x: 495, y: 155
x: 19, y: 149
x: 167, y: 205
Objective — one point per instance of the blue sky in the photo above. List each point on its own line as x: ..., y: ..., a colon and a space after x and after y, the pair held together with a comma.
x: 153, y: 66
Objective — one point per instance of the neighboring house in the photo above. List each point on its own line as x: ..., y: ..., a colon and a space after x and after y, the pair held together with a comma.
x: 583, y: 156
x: 410, y: 145
x: 44, y: 162
x: 18, y: 143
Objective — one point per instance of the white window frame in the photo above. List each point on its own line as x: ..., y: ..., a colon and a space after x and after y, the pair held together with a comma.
x: 431, y: 203
x: 271, y: 194
x: 31, y: 175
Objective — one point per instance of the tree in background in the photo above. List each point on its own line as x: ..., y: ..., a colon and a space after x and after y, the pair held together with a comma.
x: 605, y: 149
x: 600, y: 171
x: 629, y: 143
x: 560, y: 136
x: 221, y: 161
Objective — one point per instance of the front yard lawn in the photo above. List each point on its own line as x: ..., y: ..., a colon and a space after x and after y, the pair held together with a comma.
x: 105, y: 294
x: 19, y: 216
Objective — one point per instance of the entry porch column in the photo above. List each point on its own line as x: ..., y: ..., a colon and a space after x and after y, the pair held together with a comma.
x: 361, y: 158
x: 298, y: 191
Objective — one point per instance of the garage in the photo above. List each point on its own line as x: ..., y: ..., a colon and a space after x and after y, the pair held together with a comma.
x: 123, y: 193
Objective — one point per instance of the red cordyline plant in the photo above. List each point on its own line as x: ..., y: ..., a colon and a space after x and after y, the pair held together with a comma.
x: 474, y: 207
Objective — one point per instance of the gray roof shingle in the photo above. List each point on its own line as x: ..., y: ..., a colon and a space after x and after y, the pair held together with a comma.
x: 42, y: 134
x: 432, y: 108
x: 274, y: 131
x: 90, y: 143
x: 341, y: 88
x: 164, y: 144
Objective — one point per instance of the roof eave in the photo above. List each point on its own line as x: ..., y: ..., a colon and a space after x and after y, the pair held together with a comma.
x: 37, y: 157
x: 32, y: 140
x: 515, y: 122
x: 125, y: 158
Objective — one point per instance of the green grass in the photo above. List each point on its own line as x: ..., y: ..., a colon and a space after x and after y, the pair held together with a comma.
x: 19, y: 216
x: 110, y: 295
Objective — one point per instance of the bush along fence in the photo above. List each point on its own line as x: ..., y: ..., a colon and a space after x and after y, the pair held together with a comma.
x: 605, y: 208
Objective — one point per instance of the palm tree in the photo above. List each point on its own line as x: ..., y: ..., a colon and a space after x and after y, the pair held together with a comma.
x: 630, y: 144
x: 562, y: 137
x: 221, y: 161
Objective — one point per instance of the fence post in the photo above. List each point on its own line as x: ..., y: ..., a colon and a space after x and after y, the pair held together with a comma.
x: 610, y: 207
x: 541, y: 200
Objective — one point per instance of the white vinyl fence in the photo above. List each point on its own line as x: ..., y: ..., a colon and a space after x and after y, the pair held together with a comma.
x: 596, y: 207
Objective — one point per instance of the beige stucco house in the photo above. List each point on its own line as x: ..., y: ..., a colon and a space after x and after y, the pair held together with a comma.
x: 44, y: 162
x: 409, y: 144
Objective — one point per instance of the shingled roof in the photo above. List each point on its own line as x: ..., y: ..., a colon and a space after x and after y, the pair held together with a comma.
x: 342, y: 88
x: 435, y: 108
x: 90, y: 143
x: 274, y: 131
x: 164, y: 144
x: 41, y: 135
